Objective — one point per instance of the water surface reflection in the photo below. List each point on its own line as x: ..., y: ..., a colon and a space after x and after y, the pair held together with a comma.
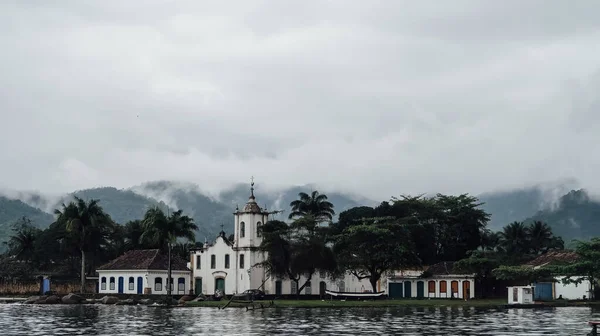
x: 141, y: 320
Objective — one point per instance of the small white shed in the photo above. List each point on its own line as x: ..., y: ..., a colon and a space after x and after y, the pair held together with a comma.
x: 520, y: 295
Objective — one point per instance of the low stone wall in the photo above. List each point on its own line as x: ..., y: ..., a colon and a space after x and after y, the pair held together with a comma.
x: 33, y: 288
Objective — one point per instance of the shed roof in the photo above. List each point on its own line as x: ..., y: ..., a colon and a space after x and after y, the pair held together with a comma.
x: 145, y: 260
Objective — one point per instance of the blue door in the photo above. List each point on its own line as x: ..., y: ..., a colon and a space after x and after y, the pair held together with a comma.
x: 542, y: 291
x: 121, y: 285
x: 407, y: 289
x: 395, y: 290
x: 45, y: 285
x: 140, y: 285
x: 420, y: 289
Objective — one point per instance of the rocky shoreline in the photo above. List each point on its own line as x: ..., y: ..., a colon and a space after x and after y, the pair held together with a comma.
x: 106, y: 300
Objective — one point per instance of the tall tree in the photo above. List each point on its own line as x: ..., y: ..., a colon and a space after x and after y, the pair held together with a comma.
x: 161, y: 230
x: 87, y: 223
x: 22, y: 244
x: 315, y: 205
x: 296, y: 251
x: 514, y: 239
x: 542, y: 239
x: 376, y: 246
x: 133, y: 231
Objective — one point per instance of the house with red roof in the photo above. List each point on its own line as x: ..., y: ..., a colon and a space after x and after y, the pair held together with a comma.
x: 144, y: 272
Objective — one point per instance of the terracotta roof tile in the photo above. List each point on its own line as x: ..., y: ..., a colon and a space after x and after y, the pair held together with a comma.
x: 145, y: 259
x: 554, y: 257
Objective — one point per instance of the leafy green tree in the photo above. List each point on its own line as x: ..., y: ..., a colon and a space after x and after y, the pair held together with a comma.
x: 350, y: 217
x: 296, y: 250
x: 376, y: 246
x: 443, y: 228
x: 87, y: 224
x: 315, y: 205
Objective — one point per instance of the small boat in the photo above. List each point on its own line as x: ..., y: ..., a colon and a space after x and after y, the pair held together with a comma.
x: 594, y: 325
x: 358, y: 295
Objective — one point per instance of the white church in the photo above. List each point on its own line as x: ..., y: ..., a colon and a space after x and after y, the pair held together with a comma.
x: 231, y: 266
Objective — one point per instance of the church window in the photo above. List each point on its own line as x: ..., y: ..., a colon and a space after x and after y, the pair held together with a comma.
x: 241, y: 261
x: 322, y: 274
x: 181, y: 285
x: 258, y: 229
x: 112, y: 283
x: 131, y: 283
x: 308, y: 289
x: 242, y: 230
x: 158, y: 284
x: 294, y: 287
x: 198, y: 262
x: 103, y: 283
x: 227, y: 261
x: 213, y: 261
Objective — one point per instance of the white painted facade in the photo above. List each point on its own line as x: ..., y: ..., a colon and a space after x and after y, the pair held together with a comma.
x: 440, y: 287
x: 572, y: 291
x: 142, y: 281
x: 232, y: 266
x: 520, y: 295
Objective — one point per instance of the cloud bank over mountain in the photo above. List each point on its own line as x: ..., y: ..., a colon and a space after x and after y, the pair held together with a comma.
x: 376, y: 98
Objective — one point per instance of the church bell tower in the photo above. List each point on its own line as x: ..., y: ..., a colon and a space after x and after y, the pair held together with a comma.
x: 249, y: 222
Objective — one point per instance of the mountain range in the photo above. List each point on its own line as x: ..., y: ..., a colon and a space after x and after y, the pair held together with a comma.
x: 571, y: 213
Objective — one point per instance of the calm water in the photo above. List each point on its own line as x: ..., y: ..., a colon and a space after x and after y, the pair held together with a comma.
x: 18, y: 319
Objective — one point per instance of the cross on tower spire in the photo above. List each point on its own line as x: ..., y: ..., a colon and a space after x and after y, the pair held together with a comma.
x: 252, y: 187
x: 222, y: 227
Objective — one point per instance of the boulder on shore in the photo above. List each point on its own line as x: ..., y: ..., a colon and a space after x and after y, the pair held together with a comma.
x: 33, y: 299
x: 109, y: 300
x: 52, y: 299
x: 72, y: 299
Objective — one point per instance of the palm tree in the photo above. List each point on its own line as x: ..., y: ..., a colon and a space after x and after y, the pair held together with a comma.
x: 514, y: 239
x: 541, y: 238
x: 315, y: 205
x: 22, y: 244
x: 87, y: 223
x: 133, y: 231
x: 161, y: 230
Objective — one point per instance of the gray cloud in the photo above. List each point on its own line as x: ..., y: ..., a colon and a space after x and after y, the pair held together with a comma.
x: 379, y: 98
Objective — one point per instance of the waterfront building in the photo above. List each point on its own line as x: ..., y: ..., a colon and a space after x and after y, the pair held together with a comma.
x: 553, y: 288
x: 232, y: 266
x: 440, y: 280
x: 144, y: 272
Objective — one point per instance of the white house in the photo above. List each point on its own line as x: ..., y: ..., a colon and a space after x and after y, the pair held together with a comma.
x: 436, y: 281
x: 143, y: 272
x: 231, y: 266
x: 554, y: 288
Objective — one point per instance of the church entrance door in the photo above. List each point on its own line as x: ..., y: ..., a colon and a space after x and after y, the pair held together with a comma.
x: 220, y: 285
x: 198, y: 286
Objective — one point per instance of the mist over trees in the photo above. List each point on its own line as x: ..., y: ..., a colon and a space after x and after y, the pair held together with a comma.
x: 367, y: 242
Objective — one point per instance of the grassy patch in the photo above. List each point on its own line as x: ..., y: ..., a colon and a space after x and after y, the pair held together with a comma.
x: 358, y: 303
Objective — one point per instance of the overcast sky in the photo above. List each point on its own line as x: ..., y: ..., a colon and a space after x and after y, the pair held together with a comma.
x: 376, y: 97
